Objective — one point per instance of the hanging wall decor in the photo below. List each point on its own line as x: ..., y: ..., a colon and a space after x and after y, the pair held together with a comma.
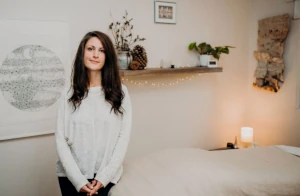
x: 34, y: 62
x: 165, y: 12
x: 272, y: 33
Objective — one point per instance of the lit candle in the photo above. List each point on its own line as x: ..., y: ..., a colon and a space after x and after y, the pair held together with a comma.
x: 247, y: 134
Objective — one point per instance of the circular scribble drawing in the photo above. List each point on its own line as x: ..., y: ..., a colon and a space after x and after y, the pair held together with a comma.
x: 31, y: 78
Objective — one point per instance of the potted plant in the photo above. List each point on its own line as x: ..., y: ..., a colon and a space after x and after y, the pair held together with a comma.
x: 122, y: 33
x: 206, y: 51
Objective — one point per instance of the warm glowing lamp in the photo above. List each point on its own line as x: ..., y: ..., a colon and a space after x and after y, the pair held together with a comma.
x: 247, y: 135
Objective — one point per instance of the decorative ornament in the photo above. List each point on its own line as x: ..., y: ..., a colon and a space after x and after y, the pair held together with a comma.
x: 139, y: 54
x: 134, y: 65
x: 122, y: 32
x: 158, y: 84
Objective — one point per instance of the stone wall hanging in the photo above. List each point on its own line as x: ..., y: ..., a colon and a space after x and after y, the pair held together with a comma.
x: 272, y: 33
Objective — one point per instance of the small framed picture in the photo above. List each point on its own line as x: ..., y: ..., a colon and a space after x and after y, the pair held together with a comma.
x: 164, y: 12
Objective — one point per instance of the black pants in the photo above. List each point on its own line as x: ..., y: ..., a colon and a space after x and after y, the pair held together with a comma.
x: 67, y: 188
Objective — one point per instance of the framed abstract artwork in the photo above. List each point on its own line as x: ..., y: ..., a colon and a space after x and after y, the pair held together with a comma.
x: 165, y: 12
x: 34, y: 65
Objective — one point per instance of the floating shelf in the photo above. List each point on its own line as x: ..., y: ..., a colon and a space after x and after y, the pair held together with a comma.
x: 168, y: 71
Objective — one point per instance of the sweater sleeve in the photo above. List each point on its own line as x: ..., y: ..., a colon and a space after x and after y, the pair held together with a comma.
x: 107, y: 173
x: 64, y: 153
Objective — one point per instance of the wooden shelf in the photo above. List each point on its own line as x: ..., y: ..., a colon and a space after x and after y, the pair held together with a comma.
x: 168, y: 71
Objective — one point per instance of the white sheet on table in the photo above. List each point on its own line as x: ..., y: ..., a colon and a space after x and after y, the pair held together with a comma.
x: 194, y: 172
x: 290, y: 149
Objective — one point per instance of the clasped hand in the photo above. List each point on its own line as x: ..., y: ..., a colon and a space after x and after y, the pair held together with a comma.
x: 92, y: 188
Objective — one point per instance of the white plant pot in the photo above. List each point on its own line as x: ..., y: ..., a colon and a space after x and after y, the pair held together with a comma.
x: 124, y: 59
x: 204, y: 58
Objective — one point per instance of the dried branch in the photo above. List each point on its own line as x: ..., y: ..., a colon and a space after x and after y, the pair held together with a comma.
x: 122, y: 33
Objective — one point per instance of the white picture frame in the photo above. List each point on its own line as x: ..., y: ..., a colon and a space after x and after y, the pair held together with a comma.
x: 165, y: 12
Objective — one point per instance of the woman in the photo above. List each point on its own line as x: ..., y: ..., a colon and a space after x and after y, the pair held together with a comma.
x: 93, y: 122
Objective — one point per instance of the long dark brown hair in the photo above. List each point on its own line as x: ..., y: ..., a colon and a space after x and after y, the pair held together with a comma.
x: 110, y: 78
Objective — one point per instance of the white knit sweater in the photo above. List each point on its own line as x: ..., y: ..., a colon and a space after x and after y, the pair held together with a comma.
x: 79, y: 138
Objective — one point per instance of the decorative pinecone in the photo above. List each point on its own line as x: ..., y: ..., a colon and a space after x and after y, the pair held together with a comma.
x: 139, y: 54
x: 134, y: 65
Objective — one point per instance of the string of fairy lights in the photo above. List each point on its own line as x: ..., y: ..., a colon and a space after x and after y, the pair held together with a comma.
x: 160, y: 84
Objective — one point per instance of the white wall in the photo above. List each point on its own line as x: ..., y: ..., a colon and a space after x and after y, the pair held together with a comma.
x: 205, y: 112
x: 274, y: 116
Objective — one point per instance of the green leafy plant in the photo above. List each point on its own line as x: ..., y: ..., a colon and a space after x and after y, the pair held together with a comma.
x: 122, y: 33
x: 204, y: 48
